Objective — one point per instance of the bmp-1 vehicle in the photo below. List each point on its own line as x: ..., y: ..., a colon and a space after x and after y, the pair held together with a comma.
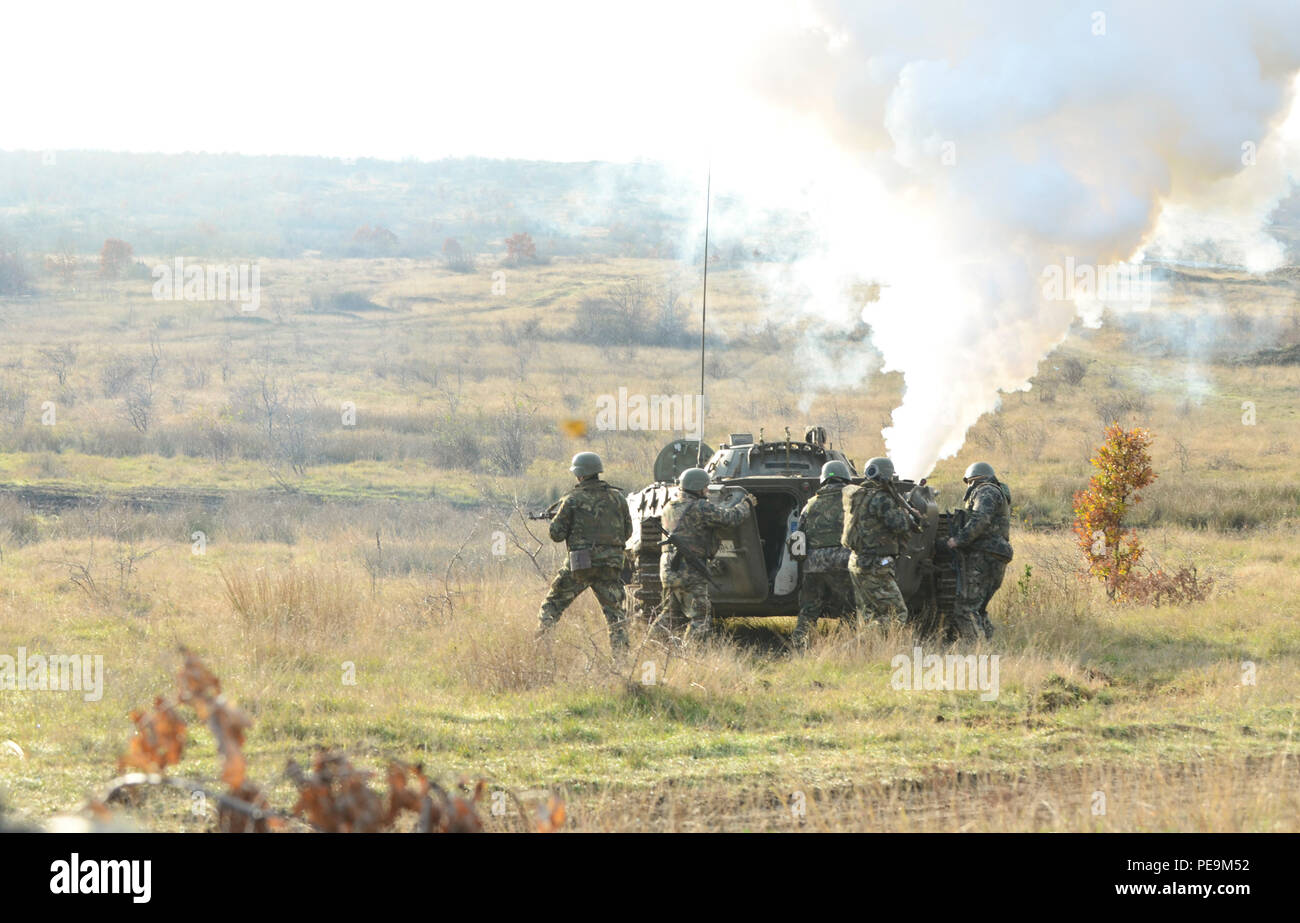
x: 754, y: 573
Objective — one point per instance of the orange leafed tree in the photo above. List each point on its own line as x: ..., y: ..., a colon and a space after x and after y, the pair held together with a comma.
x: 1123, y: 468
x: 520, y: 248
x: 114, y: 257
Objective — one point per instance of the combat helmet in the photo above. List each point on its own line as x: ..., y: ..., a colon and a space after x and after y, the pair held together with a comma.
x: 693, y: 480
x: 979, y: 470
x: 835, y: 469
x: 880, y: 469
x: 585, y: 464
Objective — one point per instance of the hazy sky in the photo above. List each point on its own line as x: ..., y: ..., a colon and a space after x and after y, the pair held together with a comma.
x: 554, y: 80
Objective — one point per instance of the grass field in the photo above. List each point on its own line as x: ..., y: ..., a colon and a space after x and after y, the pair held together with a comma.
x: 393, y: 545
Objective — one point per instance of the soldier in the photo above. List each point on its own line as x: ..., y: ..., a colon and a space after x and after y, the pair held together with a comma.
x: 875, y: 530
x: 984, y: 546
x: 825, y: 588
x: 691, y: 524
x: 593, y: 520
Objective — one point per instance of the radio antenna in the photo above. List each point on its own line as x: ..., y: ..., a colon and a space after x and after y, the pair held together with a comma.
x: 704, y: 310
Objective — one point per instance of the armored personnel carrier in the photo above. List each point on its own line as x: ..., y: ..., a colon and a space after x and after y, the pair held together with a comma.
x: 754, y: 574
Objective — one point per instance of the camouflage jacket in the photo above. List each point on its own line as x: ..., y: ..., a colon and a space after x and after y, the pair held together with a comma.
x: 827, y: 561
x: 822, y: 519
x: 874, y: 524
x: 695, y: 522
x: 988, y: 523
x: 594, y: 515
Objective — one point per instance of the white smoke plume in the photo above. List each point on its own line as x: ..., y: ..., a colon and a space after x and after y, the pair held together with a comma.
x: 963, y: 148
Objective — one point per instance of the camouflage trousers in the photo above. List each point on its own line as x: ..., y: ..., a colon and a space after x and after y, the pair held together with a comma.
x: 824, y: 592
x: 606, y: 582
x: 685, y: 596
x: 875, y: 590
x: 980, y: 578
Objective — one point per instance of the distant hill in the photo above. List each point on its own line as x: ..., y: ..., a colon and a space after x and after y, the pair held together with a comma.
x: 222, y: 205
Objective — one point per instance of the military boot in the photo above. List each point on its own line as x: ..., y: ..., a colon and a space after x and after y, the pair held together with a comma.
x: 801, y: 637
x: 966, y: 629
x: 698, y: 631
x: 618, y: 645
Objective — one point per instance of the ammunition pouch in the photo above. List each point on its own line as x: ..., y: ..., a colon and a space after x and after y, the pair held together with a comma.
x: 997, y: 547
x: 580, y: 559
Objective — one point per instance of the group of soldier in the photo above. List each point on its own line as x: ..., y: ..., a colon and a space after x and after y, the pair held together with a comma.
x: 853, y: 536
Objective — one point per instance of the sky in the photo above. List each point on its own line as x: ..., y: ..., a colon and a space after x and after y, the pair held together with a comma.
x: 556, y: 80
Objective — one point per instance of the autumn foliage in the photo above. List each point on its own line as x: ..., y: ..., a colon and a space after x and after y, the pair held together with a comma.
x: 333, y: 796
x: 1123, y: 469
x: 114, y: 257
x: 520, y: 248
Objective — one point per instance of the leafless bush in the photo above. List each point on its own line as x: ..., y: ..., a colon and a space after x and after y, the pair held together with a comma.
x: 282, y: 411
x: 195, y: 374
x: 117, y: 375
x: 1072, y: 371
x: 1116, y: 407
x: 516, y: 431
x: 1224, y: 462
x: 1184, y: 585
x: 633, y: 313
x: 14, y: 274
x: 137, y: 405
x: 13, y: 403
x: 457, y: 443
x: 118, y: 582
x: 59, y: 360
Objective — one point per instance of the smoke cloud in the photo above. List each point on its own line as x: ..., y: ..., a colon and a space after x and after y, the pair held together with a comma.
x: 962, y: 149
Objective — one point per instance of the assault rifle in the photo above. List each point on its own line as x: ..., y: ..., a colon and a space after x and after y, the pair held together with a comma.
x: 549, y: 512
x: 685, y: 556
x: 913, y: 515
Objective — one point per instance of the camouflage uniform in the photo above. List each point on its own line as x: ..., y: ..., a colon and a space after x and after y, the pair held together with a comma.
x: 985, y: 544
x: 825, y: 588
x: 694, y: 522
x: 875, y: 529
x: 592, y: 517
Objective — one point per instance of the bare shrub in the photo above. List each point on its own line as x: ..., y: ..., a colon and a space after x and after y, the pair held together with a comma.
x: 1112, y: 408
x: 59, y: 360
x: 14, y: 276
x: 457, y: 443
x: 137, y: 405
x: 516, y: 436
x: 1072, y: 371
x: 117, y: 375
x: 13, y: 403
x: 1158, y: 586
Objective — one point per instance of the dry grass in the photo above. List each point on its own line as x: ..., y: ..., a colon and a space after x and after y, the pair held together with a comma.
x: 294, y: 603
x: 380, y: 563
